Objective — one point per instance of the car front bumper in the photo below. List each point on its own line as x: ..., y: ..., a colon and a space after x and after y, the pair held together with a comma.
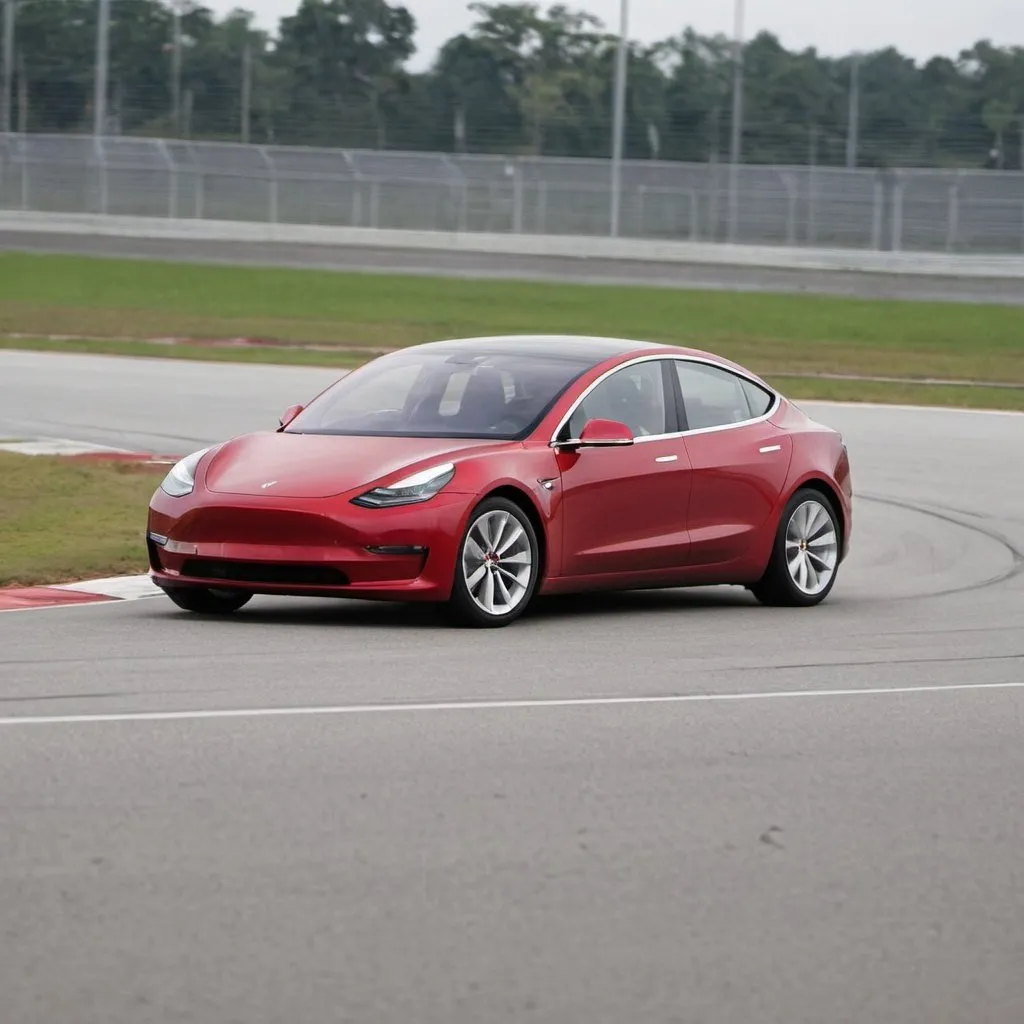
x: 306, y: 547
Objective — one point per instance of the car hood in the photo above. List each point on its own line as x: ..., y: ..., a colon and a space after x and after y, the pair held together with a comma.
x: 283, y: 465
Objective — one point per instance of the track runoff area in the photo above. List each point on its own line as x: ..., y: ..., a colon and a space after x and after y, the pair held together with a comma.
x: 674, y: 805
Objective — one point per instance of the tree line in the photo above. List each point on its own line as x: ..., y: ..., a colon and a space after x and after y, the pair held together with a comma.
x: 524, y: 79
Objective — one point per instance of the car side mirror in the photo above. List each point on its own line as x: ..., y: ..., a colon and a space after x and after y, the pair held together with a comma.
x: 605, y: 434
x: 288, y: 415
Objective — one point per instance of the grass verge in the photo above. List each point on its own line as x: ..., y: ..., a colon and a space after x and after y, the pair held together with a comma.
x: 121, y: 303
x: 886, y: 393
x: 64, y: 520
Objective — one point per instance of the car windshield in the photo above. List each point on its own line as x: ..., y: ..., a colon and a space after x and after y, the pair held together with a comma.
x: 439, y: 393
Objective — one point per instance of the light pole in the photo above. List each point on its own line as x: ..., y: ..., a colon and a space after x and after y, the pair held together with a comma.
x: 176, y: 69
x: 735, y: 149
x: 619, y: 116
x: 8, y: 72
x: 246, y: 91
x: 853, y: 118
x: 102, y: 70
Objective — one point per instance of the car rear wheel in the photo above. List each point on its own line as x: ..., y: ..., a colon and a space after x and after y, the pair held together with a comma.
x: 805, y: 557
x: 208, y: 601
x: 497, y: 566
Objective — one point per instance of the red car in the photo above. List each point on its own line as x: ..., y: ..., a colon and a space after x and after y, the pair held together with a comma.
x: 482, y: 472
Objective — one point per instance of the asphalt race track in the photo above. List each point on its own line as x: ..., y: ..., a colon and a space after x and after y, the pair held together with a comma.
x: 999, y: 291
x: 350, y: 813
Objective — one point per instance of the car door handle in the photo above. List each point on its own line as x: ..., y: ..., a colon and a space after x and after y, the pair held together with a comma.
x: 770, y: 448
x: 666, y: 458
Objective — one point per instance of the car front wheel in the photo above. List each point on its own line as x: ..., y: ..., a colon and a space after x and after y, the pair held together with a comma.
x: 805, y: 556
x: 497, y: 566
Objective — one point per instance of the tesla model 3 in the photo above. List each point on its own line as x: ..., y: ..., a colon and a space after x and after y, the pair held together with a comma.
x: 479, y: 473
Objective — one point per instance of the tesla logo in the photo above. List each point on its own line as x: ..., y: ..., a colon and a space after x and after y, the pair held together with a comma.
x: 269, y: 483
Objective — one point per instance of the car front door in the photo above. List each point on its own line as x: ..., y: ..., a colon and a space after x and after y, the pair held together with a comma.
x: 623, y: 509
x: 738, y: 460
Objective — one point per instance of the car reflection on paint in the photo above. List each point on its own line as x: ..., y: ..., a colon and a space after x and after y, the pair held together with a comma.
x: 481, y: 472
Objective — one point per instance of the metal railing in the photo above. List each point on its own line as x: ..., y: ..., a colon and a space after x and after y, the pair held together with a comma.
x: 909, y: 210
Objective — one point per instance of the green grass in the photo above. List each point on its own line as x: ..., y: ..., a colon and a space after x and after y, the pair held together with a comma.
x: 115, y: 305
x: 66, y: 520
x: 796, y: 387
x: 1011, y: 399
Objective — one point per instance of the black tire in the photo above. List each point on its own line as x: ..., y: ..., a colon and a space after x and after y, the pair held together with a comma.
x: 777, y: 587
x: 462, y: 609
x: 207, y: 601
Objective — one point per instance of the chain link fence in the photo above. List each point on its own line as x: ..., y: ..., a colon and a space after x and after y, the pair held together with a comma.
x: 911, y: 210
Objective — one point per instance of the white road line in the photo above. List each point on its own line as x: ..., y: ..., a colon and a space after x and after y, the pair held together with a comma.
x: 486, y: 705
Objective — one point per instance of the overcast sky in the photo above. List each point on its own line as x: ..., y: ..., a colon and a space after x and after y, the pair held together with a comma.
x: 920, y: 28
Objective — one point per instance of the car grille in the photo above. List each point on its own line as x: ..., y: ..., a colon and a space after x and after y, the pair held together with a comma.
x: 267, y: 526
x: 285, y: 573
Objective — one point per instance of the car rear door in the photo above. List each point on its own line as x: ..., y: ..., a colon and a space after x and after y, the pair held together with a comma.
x: 739, y: 461
x: 623, y: 510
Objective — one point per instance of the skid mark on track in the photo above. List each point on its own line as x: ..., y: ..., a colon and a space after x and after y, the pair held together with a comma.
x: 1016, y: 567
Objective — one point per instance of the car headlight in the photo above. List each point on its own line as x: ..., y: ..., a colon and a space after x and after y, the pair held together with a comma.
x: 410, y: 490
x: 182, y: 477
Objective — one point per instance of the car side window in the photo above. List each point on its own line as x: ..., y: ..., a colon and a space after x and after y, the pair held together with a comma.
x: 759, y: 400
x: 714, y: 397
x: 634, y: 395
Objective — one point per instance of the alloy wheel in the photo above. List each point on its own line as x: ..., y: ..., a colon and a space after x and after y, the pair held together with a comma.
x: 497, y: 562
x: 812, y: 547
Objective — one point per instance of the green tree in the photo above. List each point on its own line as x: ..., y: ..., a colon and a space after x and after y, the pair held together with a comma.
x: 525, y: 78
x: 337, y: 55
x: 55, y: 48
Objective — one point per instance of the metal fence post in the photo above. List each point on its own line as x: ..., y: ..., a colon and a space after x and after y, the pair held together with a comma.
x: 897, y: 214
x: 100, y: 158
x: 24, y: 175
x: 375, y: 203
x: 172, y: 176
x: 792, y: 198
x: 953, y: 224
x: 877, y: 213
x: 714, y: 199
x: 517, y: 198
x: 812, y: 204
x: 463, y: 206
x: 272, y: 185
x: 272, y: 200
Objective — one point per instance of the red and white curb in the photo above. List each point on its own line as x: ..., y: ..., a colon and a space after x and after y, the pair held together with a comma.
x: 67, y: 448
x: 111, y: 588
x: 107, y: 589
x: 59, y: 446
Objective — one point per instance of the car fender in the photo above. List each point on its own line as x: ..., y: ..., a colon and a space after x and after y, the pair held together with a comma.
x: 836, y: 478
x: 523, y: 470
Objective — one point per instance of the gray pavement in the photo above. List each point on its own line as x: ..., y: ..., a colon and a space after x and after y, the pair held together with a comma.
x: 541, y: 268
x: 809, y: 844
